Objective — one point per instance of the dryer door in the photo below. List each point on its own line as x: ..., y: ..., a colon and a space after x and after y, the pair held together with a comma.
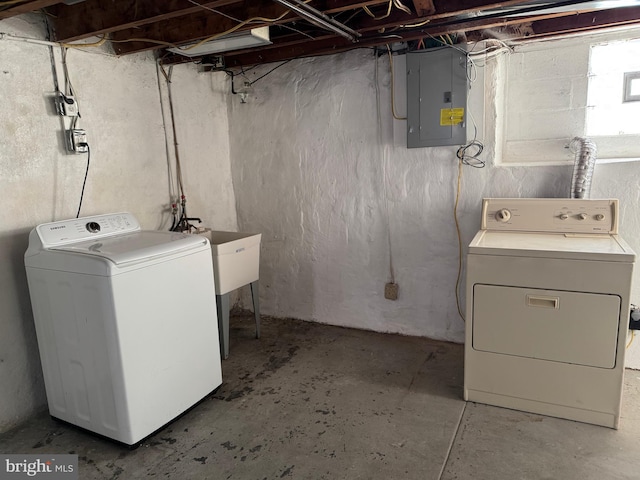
x: 561, y: 326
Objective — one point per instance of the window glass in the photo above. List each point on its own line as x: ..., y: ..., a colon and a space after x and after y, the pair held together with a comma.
x: 607, y: 112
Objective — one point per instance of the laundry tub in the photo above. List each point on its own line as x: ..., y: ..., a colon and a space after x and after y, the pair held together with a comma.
x: 236, y: 262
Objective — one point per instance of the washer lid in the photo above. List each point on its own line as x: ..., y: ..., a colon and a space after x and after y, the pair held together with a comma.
x: 602, y: 247
x: 136, y: 246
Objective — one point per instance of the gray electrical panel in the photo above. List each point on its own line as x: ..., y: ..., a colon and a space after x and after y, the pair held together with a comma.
x: 437, y: 86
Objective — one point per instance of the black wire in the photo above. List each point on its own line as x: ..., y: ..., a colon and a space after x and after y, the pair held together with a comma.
x: 471, y: 160
x: 52, y: 57
x: 180, y: 224
x: 232, y: 75
x: 274, y: 68
x: 86, y: 173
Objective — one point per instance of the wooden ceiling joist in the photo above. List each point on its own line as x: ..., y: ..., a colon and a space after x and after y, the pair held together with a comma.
x: 583, y: 22
x: 26, y: 7
x: 195, y: 26
x: 99, y: 17
x: 424, y: 7
x: 449, y: 8
x: 138, y: 25
x: 275, y: 53
x: 203, y: 24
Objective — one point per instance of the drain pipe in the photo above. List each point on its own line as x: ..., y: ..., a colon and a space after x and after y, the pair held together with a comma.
x: 583, y: 166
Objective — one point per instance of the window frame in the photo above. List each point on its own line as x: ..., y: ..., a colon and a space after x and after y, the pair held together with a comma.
x: 629, y: 77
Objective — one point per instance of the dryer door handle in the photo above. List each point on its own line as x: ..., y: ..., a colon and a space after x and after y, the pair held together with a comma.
x: 545, y: 302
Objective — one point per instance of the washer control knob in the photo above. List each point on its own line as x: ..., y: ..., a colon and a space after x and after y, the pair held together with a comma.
x: 503, y: 215
x: 93, y: 227
x: 600, y: 217
x: 563, y: 216
x: 582, y: 216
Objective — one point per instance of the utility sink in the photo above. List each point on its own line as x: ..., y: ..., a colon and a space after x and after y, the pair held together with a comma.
x: 236, y: 259
x: 236, y: 262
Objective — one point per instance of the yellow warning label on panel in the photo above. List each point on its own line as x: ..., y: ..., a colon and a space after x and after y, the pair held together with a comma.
x: 451, y: 116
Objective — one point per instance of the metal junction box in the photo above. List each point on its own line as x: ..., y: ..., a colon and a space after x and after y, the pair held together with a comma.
x: 437, y: 86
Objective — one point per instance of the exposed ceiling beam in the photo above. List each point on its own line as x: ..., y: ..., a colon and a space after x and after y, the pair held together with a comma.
x: 26, y: 7
x: 204, y: 24
x: 582, y: 22
x: 159, y: 24
x: 319, y: 47
x: 99, y: 17
x: 448, y: 8
x: 195, y: 26
x: 275, y: 53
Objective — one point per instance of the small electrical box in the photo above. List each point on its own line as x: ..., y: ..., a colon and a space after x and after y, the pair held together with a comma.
x: 437, y: 86
x: 77, y: 141
x: 391, y: 291
x: 634, y: 318
x: 66, y: 105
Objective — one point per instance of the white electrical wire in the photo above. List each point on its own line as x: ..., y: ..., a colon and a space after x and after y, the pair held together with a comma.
x: 173, y: 196
x: 392, y: 277
x: 402, y: 7
x: 240, y: 21
x: 17, y: 38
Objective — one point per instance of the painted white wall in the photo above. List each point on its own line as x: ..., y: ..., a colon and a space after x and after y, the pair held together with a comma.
x: 120, y: 104
x: 315, y: 176
x: 312, y: 171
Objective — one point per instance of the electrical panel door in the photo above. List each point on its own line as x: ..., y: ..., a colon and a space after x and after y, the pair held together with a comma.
x: 437, y: 86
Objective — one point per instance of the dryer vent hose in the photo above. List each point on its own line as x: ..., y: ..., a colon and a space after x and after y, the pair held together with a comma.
x: 585, y: 161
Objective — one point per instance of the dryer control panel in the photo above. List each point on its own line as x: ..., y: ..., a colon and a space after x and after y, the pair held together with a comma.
x: 556, y: 215
x: 77, y: 229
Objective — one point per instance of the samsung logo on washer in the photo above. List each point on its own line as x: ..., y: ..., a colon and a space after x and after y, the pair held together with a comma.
x: 59, y: 227
x: 58, y: 467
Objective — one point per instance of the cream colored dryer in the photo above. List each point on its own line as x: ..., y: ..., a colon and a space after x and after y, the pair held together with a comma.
x: 548, y: 285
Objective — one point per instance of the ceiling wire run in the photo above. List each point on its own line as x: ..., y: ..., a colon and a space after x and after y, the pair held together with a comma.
x: 319, y: 19
x: 330, y: 27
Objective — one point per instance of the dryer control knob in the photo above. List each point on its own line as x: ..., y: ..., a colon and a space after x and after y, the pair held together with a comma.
x: 600, y: 217
x: 563, y: 216
x: 582, y: 216
x: 93, y: 227
x: 503, y: 215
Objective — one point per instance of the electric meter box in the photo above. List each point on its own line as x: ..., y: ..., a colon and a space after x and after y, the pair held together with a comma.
x: 437, y: 86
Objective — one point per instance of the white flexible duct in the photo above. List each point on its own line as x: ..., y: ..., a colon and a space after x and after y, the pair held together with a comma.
x: 584, y: 164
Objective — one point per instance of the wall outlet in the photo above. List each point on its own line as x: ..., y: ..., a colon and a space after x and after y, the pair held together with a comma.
x: 391, y: 291
x: 77, y: 141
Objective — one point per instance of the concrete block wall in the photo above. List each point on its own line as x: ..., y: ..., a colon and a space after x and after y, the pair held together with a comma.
x: 545, y: 100
x: 333, y: 196
x: 306, y: 162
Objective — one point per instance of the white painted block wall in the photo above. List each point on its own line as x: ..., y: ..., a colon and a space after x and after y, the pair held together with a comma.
x: 315, y: 176
x: 304, y: 162
x: 120, y: 106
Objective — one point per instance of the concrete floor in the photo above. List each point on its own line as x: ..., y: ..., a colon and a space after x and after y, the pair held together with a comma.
x: 312, y: 401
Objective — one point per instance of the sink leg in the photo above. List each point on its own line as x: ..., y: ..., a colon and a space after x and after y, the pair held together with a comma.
x: 255, y: 295
x: 222, y: 305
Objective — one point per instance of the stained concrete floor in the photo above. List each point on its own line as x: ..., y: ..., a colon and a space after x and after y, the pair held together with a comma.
x: 311, y: 401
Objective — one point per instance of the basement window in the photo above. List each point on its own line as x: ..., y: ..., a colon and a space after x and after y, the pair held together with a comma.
x: 614, y: 78
x: 574, y: 87
x: 631, y: 87
x: 613, y: 100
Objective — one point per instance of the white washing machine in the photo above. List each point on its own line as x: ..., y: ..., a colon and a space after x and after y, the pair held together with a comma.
x: 126, y: 323
x: 548, y: 285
